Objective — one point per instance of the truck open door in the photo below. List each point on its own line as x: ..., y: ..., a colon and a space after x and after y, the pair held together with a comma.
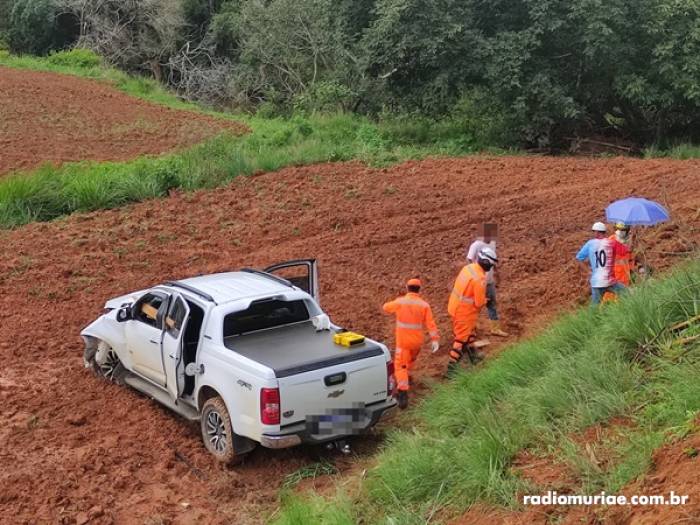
x: 175, y: 325
x: 302, y: 273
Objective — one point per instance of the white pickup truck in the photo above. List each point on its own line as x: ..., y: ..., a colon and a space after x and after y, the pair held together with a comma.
x: 249, y: 354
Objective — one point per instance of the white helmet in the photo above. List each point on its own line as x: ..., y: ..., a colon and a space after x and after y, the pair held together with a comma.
x: 599, y: 227
x: 487, y: 254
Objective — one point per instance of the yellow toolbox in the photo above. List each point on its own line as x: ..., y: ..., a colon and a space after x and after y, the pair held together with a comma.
x: 348, y: 339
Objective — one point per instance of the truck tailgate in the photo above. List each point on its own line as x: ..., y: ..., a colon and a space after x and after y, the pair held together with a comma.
x: 316, y: 377
x: 333, y: 390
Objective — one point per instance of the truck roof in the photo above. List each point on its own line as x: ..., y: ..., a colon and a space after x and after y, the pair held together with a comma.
x: 231, y: 286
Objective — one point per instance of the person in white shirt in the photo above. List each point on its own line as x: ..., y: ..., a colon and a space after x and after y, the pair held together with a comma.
x: 489, y: 232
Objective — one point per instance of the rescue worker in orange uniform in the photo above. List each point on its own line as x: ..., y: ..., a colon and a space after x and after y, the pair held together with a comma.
x: 467, y: 299
x: 413, y: 315
x: 623, y: 254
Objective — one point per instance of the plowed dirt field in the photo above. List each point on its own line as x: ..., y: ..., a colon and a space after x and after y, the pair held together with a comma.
x: 46, y: 117
x: 74, y: 448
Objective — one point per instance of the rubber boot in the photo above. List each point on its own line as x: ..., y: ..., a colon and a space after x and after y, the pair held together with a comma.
x: 452, y: 368
x: 496, y: 329
x: 402, y: 398
x: 474, y: 357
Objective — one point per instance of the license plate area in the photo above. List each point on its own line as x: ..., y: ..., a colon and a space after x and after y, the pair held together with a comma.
x: 342, y: 421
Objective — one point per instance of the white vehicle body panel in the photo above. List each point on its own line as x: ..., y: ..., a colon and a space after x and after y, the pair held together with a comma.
x: 143, y: 344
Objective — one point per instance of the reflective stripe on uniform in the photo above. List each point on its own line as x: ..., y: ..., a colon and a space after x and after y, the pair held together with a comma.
x: 457, y: 351
x: 463, y: 299
x: 409, y: 326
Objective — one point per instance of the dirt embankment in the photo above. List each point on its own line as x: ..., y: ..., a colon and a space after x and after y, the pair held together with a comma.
x: 47, y: 117
x: 74, y: 448
x: 675, y: 469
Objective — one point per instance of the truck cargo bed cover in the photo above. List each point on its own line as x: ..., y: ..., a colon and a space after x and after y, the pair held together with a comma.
x: 298, y: 348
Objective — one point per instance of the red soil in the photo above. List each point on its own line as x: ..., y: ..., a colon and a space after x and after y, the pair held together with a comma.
x: 46, y: 117
x: 676, y: 468
x: 550, y: 473
x: 74, y: 447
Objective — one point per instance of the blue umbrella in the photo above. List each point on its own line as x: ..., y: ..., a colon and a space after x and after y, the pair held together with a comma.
x: 635, y: 211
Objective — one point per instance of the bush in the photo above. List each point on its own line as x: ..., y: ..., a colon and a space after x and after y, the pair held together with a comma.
x: 325, y: 96
x: 480, y: 116
x: 75, y: 58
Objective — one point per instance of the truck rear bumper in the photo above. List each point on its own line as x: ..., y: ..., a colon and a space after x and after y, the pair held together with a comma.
x: 299, y: 433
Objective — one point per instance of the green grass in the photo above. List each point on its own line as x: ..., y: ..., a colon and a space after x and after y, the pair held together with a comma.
x: 679, y: 151
x: 86, y: 64
x: 274, y: 143
x: 316, y: 510
x: 591, y: 365
x: 50, y: 192
x: 320, y: 468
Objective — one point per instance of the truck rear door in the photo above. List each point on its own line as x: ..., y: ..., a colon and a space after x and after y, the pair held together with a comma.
x: 302, y: 273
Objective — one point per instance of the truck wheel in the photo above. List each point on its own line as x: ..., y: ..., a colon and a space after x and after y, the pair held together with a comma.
x: 217, y: 431
x: 105, y: 362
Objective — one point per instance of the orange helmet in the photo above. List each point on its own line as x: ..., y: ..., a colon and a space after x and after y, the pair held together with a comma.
x: 414, y: 282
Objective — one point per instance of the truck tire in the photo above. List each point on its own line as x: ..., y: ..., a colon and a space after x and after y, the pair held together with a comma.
x: 105, y: 362
x: 217, y: 431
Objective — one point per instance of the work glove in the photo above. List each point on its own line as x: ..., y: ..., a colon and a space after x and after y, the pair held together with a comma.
x: 434, y: 346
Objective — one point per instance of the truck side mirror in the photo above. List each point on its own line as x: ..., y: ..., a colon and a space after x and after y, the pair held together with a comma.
x: 124, y: 314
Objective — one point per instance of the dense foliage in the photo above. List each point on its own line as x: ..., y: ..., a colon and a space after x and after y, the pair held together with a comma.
x: 543, y: 70
x: 35, y: 26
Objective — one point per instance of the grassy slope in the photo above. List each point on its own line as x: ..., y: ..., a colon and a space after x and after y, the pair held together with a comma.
x: 51, y: 192
x: 585, y: 369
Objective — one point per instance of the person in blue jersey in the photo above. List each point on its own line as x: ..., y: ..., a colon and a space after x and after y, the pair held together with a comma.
x: 600, y: 254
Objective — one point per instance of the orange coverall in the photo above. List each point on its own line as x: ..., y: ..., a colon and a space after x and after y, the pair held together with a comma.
x: 468, y: 297
x: 623, y: 261
x: 413, y: 314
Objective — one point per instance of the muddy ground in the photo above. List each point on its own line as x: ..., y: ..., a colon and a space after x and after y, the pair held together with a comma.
x: 47, y: 117
x: 76, y: 449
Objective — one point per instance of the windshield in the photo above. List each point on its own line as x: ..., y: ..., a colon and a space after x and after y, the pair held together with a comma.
x: 265, y: 314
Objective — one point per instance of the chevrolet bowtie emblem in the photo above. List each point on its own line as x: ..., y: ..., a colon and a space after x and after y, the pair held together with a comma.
x: 336, y: 393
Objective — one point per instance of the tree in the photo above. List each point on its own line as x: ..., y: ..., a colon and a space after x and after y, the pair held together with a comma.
x: 660, y: 89
x: 421, y: 52
x: 39, y: 26
x: 286, y: 46
x: 5, y: 10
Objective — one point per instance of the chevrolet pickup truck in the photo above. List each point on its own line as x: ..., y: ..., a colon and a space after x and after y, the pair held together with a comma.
x: 248, y: 354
